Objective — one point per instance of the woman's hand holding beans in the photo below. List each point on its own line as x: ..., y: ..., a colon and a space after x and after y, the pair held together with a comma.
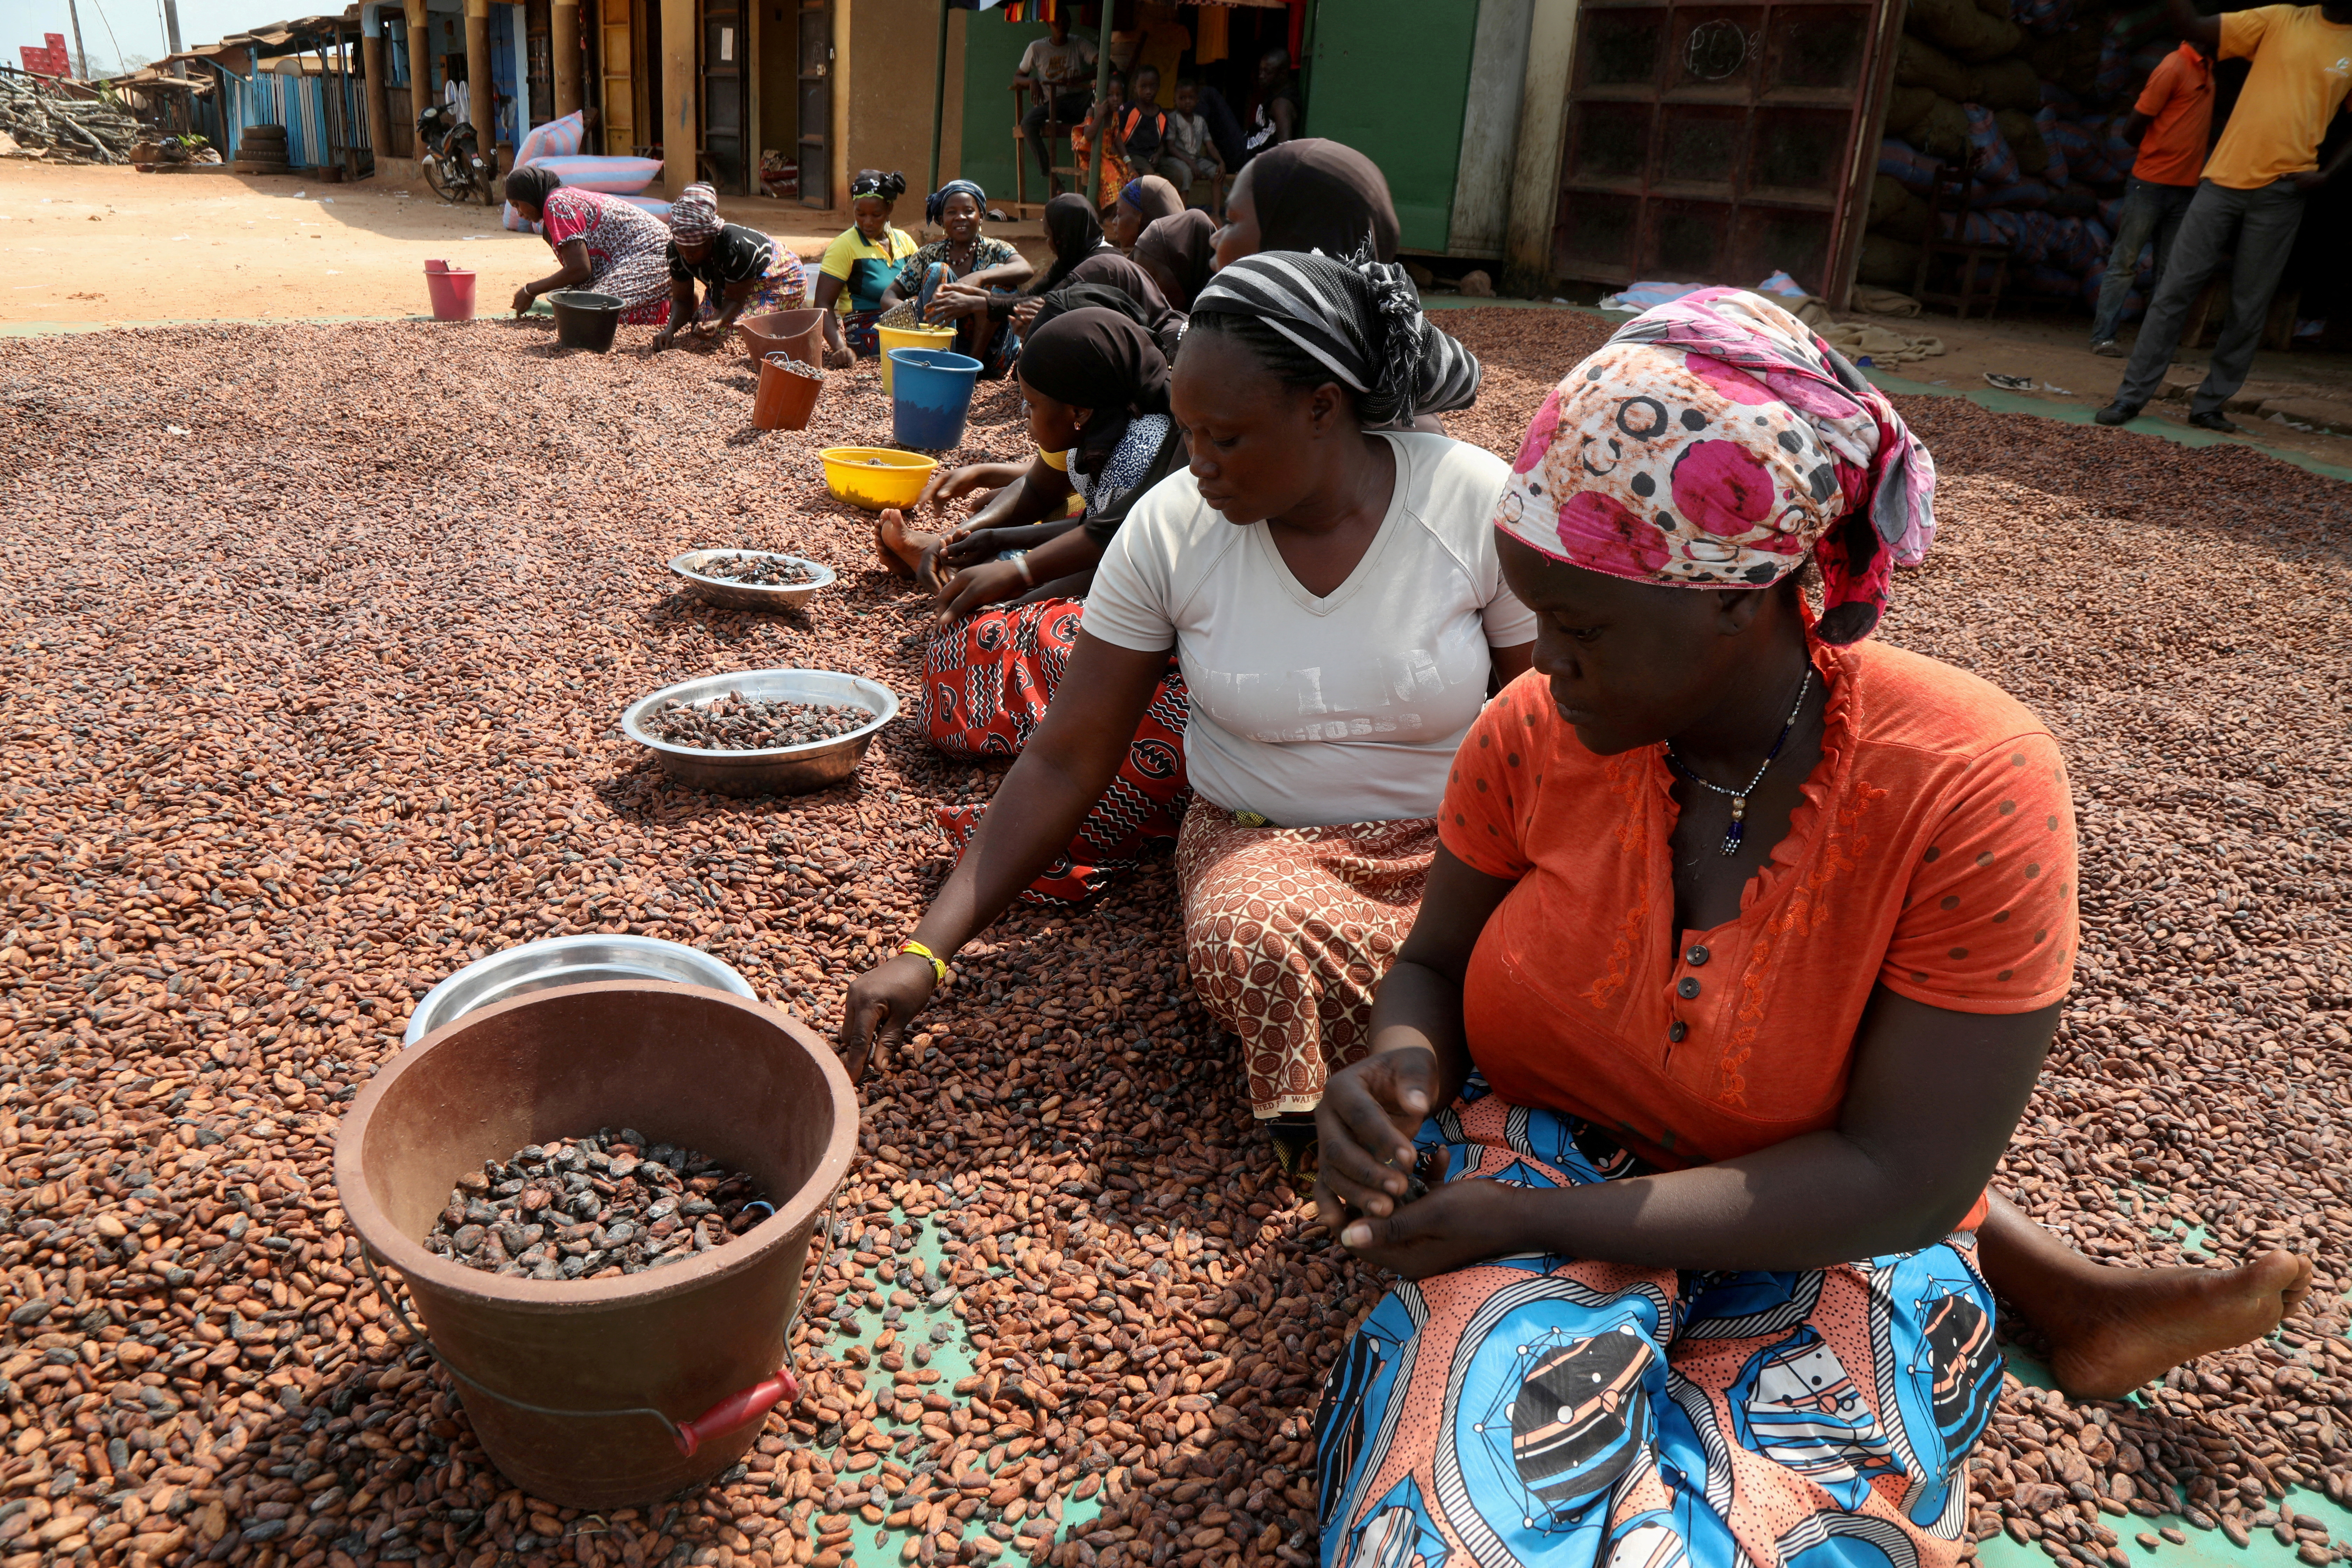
x: 1459, y: 1223
x: 1369, y: 1112
x: 954, y: 301
x: 880, y: 1004
x: 1365, y: 1124
x: 978, y: 586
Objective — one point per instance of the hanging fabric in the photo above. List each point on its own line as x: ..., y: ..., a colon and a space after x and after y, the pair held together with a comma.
x: 1212, y: 35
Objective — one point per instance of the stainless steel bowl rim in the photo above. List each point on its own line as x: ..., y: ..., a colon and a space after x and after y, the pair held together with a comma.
x: 703, y: 688
x: 824, y: 578
x: 591, y: 951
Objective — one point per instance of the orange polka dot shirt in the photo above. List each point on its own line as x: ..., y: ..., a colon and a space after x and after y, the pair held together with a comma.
x: 1932, y: 853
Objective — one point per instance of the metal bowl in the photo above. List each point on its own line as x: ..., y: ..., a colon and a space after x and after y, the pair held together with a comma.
x: 786, y: 770
x: 735, y: 595
x: 567, y: 960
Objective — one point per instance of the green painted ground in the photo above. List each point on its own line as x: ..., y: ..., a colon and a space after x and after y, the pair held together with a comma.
x: 2203, y: 1548
x: 951, y: 1358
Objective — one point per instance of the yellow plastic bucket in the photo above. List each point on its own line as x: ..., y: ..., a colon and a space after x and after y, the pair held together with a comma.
x: 910, y: 338
x: 876, y: 476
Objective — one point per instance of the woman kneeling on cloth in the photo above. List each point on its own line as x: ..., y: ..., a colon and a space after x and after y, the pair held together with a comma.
x: 1332, y: 593
x: 743, y: 271
x: 1742, y: 952
x: 606, y: 246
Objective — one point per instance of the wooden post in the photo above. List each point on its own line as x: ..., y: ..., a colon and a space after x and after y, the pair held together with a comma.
x: 680, y: 20
x: 481, y: 90
x: 939, y: 100
x: 420, y: 64
x: 563, y: 42
x: 1543, y: 127
x: 378, y: 106
x: 1102, y: 88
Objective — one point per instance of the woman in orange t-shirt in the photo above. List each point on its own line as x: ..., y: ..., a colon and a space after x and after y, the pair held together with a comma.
x: 1738, y: 964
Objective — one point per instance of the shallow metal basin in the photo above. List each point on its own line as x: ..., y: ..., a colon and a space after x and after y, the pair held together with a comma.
x: 567, y: 960
x: 735, y: 595
x: 786, y: 770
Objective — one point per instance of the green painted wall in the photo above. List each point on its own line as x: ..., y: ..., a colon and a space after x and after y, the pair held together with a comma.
x: 1391, y: 78
x: 991, y: 49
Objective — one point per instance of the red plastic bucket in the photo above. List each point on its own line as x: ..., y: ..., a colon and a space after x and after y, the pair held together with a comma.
x: 453, y: 293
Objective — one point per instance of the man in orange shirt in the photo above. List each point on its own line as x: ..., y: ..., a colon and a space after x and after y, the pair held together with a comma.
x: 2252, y: 192
x: 2173, y: 122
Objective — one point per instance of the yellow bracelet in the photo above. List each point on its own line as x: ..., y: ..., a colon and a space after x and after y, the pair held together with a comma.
x: 938, y: 968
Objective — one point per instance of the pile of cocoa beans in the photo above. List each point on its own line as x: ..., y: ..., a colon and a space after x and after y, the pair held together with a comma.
x: 310, y: 709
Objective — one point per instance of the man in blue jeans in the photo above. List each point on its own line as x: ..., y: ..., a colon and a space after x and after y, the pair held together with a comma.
x: 2172, y: 122
x: 2253, y: 193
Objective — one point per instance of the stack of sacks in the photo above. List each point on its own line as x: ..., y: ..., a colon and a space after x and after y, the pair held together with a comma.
x: 2030, y: 95
x: 556, y: 145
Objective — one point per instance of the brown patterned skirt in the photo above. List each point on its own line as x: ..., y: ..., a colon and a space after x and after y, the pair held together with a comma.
x: 1289, y: 931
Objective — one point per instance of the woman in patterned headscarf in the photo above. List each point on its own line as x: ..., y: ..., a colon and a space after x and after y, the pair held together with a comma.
x: 1739, y: 959
x: 743, y: 271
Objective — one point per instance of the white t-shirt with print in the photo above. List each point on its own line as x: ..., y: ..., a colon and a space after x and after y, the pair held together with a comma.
x: 1067, y: 65
x: 1319, y: 712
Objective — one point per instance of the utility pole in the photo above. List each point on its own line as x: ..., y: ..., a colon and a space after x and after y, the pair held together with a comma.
x: 81, y: 55
x: 172, y: 35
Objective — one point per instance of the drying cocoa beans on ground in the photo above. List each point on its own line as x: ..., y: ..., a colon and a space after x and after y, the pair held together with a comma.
x: 593, y: 1208
x: 739, y: 723
x: 312, y: 707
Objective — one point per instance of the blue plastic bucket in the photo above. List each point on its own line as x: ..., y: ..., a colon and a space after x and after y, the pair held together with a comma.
x: 931, y: 393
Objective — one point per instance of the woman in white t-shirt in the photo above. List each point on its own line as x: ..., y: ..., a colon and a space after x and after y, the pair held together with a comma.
x: 1332, y: 593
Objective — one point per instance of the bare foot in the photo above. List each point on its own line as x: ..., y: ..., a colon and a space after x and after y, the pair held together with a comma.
x: 901, y: 547
x: 2135, y: 1324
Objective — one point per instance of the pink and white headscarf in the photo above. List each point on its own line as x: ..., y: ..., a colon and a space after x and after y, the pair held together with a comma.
x: 1716, y: 442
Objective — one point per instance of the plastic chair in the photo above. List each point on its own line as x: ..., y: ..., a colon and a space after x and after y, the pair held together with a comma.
x: 1947, y: 226
x: 1053, y: 130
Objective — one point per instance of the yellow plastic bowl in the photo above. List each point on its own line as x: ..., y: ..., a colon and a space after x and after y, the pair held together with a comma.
x: 875, y: 476
x: 910, y: 338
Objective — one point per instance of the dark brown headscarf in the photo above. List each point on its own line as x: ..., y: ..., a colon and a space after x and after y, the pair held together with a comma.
x: 1100, y: 360
x: 1112, y: 270
x: 1183, y: 250
x: 1074, y: 231
x: 1152, y: 197
x: 1320, y: 194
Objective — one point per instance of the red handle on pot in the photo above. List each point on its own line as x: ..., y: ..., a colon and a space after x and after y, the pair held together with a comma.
x: 737, y: 1408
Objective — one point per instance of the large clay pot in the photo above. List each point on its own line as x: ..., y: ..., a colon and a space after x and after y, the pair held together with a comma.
x: 604, y: 1392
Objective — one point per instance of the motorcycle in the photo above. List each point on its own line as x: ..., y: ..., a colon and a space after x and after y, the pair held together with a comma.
x: 452, y: 157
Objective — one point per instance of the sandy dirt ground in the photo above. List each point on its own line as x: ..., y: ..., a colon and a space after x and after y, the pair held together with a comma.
x: 84, y: 246
x: 110, y: 245
x: 2055, y: 351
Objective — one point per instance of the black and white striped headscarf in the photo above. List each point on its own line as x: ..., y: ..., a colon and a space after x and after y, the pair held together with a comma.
x: 1361, y: 319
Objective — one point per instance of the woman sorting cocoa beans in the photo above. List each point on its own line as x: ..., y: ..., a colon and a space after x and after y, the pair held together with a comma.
x: 1331, y: 593
x: 1741, y: 951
